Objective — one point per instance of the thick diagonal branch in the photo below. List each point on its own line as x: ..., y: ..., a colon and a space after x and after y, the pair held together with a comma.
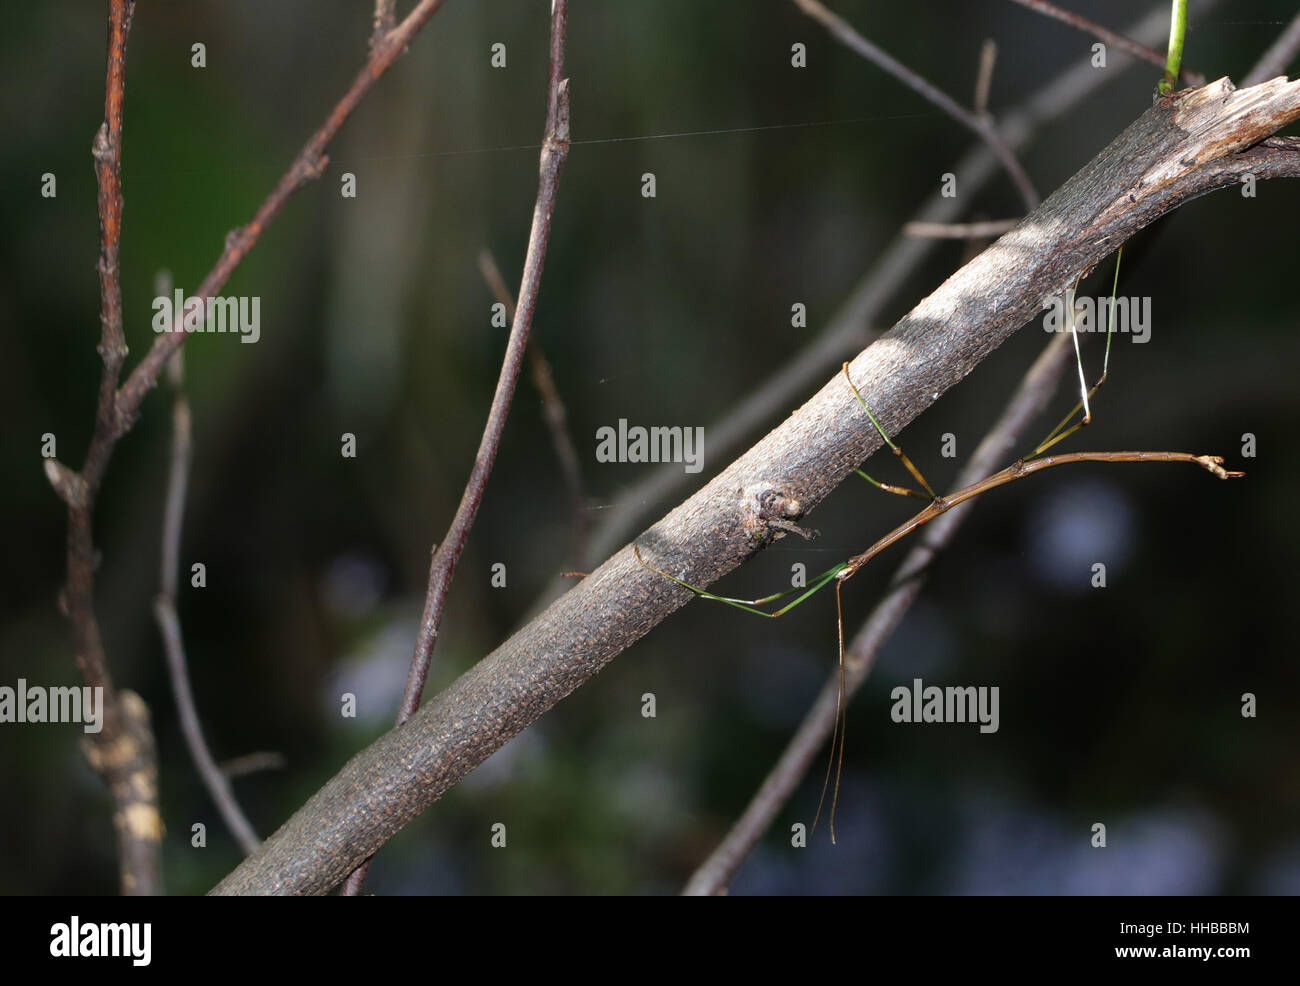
x: 1185, y: 146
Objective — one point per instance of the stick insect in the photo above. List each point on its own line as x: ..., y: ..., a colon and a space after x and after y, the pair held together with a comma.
x: 937, y: 505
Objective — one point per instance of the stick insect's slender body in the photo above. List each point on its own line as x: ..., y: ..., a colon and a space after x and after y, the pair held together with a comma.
x: 937, y: 506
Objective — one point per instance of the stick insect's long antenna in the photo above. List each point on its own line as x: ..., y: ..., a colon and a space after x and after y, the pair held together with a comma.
x: 837, y: 736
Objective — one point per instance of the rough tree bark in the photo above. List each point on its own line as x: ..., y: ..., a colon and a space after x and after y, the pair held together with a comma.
x: 1186, y: 145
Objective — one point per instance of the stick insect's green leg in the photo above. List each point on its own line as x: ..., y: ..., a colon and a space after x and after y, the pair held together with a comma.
x: 821, y: 581
x: 929, y: 494
x: 752, y: 605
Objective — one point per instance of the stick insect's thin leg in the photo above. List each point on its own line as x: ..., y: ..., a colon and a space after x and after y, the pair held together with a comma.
x: 1078, y: 360
x: 751, y: 605
x: 929, y: 494
x: 1060, y: 432
x: 836, y: 757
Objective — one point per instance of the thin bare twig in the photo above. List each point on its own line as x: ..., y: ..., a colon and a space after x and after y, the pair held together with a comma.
x: 982, y: 126
x: 555, y: 148
x: 554, y: 151
x: 123, y: 751
x: 959, y: 231
x: 1279, y: 55
x: 1110, y: 37
x: 553, y: 411
x: 169, y: 625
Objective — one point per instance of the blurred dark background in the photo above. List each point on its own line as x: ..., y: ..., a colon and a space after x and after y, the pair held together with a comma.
x: 775, y: 186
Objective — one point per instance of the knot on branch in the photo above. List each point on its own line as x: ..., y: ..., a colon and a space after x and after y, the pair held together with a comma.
x: 559, y: 130
x: 122, y: 421
x: 769, y: 511
x: 100, y: 149
x: 314, y: 166
x: 112, y: 352
x: 67, y: 483
x: 385, y: 21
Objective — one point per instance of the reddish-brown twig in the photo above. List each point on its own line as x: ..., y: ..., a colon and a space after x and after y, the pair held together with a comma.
x: 123, y: 750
